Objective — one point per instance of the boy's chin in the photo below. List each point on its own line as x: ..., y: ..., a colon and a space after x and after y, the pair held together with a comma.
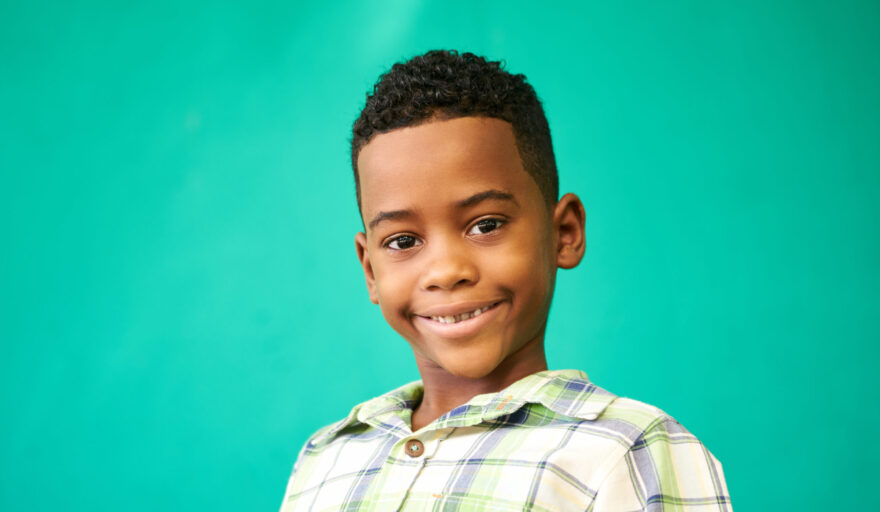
x: 470, y: 368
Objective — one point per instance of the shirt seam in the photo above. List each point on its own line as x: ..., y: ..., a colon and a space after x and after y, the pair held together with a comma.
x: 617, y: 458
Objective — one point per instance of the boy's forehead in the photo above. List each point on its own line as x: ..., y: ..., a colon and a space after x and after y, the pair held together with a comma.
x: 440, y: 160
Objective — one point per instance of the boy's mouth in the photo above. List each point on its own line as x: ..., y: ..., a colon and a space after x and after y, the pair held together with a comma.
x: 455, y: 314
x: 454, y: 319
x: 459, y: 320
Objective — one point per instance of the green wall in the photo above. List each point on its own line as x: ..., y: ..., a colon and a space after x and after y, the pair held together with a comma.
x: 181, y: 303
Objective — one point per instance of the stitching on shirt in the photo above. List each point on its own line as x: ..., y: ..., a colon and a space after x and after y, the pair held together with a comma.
x: 502, y: 404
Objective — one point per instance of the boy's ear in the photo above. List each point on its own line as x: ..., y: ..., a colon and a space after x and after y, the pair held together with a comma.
x: 360, y: 243
x: 569, y: 220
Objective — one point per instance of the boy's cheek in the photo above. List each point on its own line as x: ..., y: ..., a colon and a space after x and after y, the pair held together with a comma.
x: 393, y: 294
x: 524, y: 262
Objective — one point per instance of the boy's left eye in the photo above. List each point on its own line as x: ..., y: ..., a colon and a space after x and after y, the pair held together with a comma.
x: 485, y: 226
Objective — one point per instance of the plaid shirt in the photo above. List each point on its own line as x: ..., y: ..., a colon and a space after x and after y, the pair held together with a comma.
x: 552, y: 441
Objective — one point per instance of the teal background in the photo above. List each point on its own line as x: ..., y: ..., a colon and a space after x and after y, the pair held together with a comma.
x: 182, y: 306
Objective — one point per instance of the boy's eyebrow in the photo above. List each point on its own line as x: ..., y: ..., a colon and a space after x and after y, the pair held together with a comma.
x: 392, y: 215
x: 477, y: 198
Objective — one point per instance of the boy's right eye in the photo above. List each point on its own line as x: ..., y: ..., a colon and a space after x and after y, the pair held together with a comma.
x: 402, y: 242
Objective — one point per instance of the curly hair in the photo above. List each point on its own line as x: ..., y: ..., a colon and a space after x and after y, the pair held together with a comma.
x: 445, y: 84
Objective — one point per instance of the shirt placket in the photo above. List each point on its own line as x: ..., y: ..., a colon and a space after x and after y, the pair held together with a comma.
x: 416, y: 449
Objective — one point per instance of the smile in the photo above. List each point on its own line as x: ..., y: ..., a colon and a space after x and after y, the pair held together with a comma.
x: 454, y: 319
x: 445, y: 322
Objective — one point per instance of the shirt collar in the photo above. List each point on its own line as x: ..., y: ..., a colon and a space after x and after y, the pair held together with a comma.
x: 565, y: 392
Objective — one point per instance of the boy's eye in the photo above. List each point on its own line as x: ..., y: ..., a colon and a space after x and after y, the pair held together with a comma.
x: 485, y: 226
x: 402, y: 242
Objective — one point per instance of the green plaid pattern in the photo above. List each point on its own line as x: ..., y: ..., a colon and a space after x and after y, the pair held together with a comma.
x: 552, y: 441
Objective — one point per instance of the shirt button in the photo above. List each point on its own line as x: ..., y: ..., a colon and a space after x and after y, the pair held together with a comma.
x: 414, y: 448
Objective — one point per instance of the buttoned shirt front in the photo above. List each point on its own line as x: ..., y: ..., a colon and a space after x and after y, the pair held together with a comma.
x: 552, y: 441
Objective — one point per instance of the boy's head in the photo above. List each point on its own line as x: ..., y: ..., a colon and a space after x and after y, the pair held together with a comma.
x: 442, y: 84
x: 463, y: 233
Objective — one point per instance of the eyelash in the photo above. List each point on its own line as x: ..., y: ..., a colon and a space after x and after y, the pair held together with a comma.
x: 416, y: 242
x: 387, y: 244
x: 498, y: 222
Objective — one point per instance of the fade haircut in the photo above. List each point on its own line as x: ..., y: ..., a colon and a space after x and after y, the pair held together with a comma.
x: 443, y: 84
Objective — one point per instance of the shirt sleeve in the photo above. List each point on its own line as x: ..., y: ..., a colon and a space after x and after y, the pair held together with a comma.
x: 296, y: 466
x: 667, y: 468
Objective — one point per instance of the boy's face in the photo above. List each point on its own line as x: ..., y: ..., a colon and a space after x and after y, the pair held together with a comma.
x: 461, y: 250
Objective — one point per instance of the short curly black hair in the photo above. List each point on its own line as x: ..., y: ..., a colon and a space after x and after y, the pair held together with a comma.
x: 445, y: 84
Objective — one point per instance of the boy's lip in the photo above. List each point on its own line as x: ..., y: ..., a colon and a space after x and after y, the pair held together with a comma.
x: 456, y: 308
x: 460, y: 329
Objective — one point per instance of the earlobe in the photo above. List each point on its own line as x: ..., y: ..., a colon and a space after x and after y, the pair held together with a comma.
x: 569, y: 219
x: 360, y: 243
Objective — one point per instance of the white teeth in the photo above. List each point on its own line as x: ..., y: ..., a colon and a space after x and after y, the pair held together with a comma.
x: 453, y: 319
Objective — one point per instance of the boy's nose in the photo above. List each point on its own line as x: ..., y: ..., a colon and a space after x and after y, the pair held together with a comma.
x: 448, y: 269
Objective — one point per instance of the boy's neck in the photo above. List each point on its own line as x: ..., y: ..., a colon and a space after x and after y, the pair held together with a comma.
x: 445, y: 391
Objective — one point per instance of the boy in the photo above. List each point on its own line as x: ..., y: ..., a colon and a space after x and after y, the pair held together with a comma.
x: 457, y: 188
